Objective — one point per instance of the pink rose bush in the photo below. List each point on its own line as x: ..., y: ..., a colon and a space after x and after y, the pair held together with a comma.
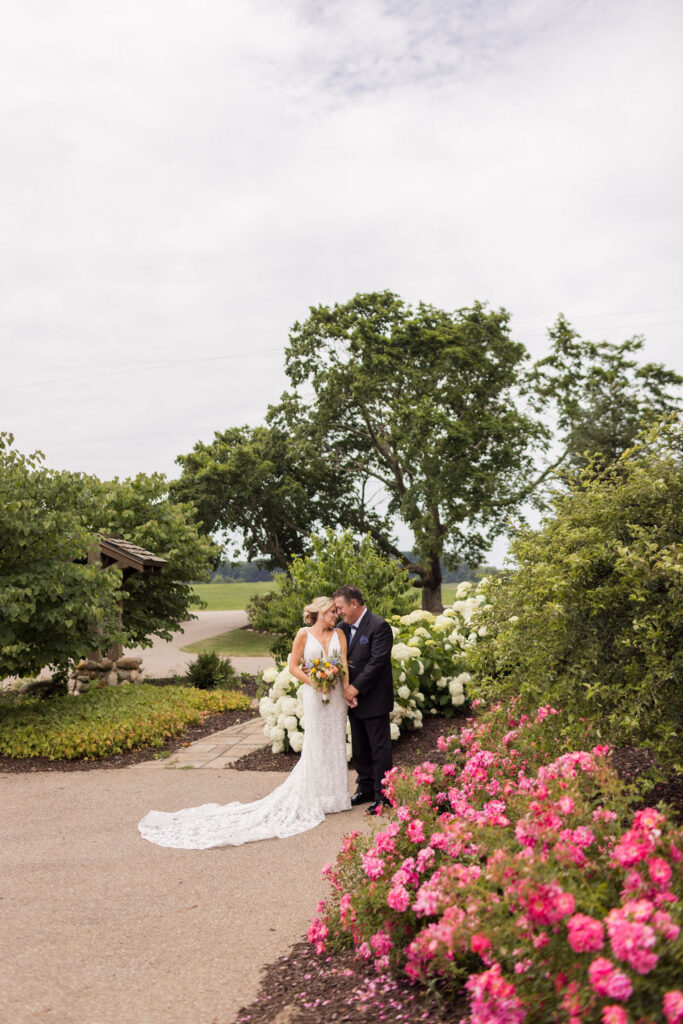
x: 517, y: 872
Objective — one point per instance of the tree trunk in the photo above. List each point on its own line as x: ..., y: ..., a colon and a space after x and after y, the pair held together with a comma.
x: 431, y: 588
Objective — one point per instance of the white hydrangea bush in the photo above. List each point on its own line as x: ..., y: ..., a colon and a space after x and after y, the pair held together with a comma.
x: 429, y: 661
x: 430, y: 657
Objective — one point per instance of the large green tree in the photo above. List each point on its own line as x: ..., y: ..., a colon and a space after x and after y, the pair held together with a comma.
x: 423, y: 402
x: 53, y: 604
x: 599, y: 395
x: 269, y: 488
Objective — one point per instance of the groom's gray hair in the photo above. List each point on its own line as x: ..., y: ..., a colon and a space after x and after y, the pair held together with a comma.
x: 349, y: 593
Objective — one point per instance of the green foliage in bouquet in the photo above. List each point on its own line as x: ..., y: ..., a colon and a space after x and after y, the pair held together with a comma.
x: 109, y: 720
x: 593, y: 617
x: 336, y: 559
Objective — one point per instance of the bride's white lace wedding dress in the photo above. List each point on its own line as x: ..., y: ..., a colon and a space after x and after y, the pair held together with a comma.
x: 318, y: 785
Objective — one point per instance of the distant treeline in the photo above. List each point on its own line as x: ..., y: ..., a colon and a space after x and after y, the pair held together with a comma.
x: 251, y: 572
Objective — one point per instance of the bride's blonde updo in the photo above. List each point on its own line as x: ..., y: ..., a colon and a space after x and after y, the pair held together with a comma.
x: 317, y: 606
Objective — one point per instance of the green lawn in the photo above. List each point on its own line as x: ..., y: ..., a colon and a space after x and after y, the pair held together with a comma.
x: 229, y: 597
x: 238, y: 642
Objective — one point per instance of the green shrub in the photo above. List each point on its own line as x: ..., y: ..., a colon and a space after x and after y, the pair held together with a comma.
x: 209, y: 671
x: 592, y: 618
x: 337, y: 559
x: 107, y: 721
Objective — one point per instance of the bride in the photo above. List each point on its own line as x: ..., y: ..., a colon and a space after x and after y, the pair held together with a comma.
x: 317, y: 785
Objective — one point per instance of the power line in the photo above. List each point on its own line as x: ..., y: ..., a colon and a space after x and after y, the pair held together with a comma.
x: 622, y: 312
x: 158, y: 362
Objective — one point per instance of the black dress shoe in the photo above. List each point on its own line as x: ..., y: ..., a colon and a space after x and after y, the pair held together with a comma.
x: 361, y: 798
x: 377, y: 807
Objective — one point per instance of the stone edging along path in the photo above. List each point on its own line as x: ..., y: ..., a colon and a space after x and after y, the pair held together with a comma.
x: 220, y: 749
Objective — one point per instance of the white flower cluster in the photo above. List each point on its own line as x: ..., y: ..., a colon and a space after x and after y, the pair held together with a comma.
x: 283, y: 711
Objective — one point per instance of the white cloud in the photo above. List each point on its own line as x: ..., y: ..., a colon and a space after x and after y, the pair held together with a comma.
x: 180, y: 181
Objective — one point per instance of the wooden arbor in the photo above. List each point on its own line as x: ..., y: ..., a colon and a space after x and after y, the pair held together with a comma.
x: 113, y: 668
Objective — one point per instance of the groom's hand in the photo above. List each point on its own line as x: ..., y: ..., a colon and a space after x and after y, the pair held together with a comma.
x: 350, y: 692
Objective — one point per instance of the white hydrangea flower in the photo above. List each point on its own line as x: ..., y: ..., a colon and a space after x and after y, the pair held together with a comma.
x: 458, y: 700
x: 277, y: 734
x: 464, y: 678
x: 403, y: 692
x: 402, y: 677
x: 395, y: 630
x: 442, y: 683
x: 420, y: 668
x: 394, y: 730
x: 278, y: 747
x: 291, y: 723
x: 296, y: 741
x: 270, y: 675
x: 400, y: 652
x: 420, y: 697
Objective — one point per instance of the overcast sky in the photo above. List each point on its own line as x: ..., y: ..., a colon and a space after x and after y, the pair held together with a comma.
x: 181, y: 179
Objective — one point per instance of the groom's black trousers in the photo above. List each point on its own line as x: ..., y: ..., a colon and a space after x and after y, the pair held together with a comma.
x: 371, y: 744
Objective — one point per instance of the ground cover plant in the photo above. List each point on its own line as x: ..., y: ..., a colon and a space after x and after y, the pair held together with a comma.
x: 521, y: 874
x: 108, y: 721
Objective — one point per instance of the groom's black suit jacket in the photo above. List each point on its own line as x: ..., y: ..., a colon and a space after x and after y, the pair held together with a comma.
x: 370, y: 666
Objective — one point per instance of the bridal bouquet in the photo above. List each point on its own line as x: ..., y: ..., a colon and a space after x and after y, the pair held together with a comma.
x: 324, y: 673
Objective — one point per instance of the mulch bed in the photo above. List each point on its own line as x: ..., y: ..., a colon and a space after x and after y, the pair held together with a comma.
x: 412, y: 748
x: 304, y: 988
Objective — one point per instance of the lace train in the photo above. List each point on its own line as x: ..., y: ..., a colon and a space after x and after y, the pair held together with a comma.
x: 318, y: 785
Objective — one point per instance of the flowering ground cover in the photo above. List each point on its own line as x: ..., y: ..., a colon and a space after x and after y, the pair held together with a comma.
x: 520, y: 874
x: 113, y: 726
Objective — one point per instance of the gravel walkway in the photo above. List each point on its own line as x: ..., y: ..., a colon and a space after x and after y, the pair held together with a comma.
x: 101, y: 927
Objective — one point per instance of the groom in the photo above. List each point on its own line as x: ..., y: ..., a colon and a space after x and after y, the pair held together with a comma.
x: 369, y: 640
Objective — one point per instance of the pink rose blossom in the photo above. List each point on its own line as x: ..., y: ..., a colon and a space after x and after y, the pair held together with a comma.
x: 660, y: 872
x: 416, y: 831
x: 613, y: 1015
x: 585, y: 933
x: 398, y: 898
x: 608, y: 981
x: 672, y: 1005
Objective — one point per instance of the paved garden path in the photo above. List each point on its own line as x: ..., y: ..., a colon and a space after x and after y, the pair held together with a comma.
x: 98, y: 926
x: 165, y: 658
x: 221, y: 748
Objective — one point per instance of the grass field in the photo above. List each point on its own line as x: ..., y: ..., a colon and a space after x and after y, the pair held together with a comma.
x: 236, y: 642
x: 230, y: 597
